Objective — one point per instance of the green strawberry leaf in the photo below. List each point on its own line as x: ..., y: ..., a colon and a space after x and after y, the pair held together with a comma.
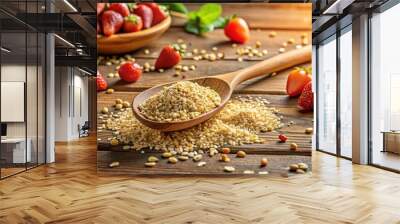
x: 177, y: 7
x: 131, y: 6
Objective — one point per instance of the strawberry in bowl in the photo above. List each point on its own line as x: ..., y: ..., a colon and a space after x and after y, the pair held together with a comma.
x: 124, y: 27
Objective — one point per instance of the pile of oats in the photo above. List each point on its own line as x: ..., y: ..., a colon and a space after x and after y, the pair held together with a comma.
x: 238, y: 123
x: 181, y: 101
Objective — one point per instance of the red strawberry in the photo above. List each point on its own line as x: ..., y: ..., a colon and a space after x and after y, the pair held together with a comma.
x: 101, y: 83
x: 237, y: 30
x: 282, y: 138
x: 132, y: 23
x: 158, y: 13
x: 130, y: 72
x: 121, y: 8
x: 306, y: 101
x: 146, y: 14
x: 168, y: 58
x: 100, y: 7
x: 112, y: 22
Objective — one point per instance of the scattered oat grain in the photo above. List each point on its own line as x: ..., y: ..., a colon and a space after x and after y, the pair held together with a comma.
x: 229, y: 169
x: 113, y: 164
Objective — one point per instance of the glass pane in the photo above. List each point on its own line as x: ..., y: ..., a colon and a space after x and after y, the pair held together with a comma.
x: 385, y: 84
x: 327, y: 96
x: 14, y: 153
x: 346, y: 94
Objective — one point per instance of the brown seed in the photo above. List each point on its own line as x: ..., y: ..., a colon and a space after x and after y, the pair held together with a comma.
x: 118, y: 106
x: 172, y: 160
x: 114, y: 142
x: 309, y: 130
x: 264, y: 162
x: 104, y: 110
x: 300, y: 171
x: 293, y: 146
x: 241, y: 154
x: 113, y: 164
x: 126, y: 104
x: 226, y: 150
x: 178, y: 67
x: 118, y: 101
x: 166, y: 155
x: 197, y: 157
x: 152, y: 159
x: 272, y: 34
x: 183, y: 158
x: 109, y: 91
x: 293, y: 167
x: 303, y: 166
x: 150, y: 164
x: 224, y: 158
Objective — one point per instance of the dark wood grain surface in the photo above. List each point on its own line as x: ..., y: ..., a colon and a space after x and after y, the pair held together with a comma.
x: 271, y: 88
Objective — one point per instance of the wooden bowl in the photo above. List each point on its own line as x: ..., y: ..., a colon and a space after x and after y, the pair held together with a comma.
x: 127, y: 42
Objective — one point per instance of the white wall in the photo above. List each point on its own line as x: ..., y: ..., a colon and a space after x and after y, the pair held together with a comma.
x: 14, y: 73
x: 71, y: 94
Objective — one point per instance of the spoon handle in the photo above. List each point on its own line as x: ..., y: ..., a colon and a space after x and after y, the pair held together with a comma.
x: 274, y: 64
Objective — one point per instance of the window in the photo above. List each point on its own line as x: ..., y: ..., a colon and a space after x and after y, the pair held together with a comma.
x: 346, y: 92
x: 385, y: 89
x: 326, y: 95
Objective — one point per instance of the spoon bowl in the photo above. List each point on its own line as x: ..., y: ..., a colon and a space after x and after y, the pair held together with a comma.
x: 223, y: 84
x: 219, y: 85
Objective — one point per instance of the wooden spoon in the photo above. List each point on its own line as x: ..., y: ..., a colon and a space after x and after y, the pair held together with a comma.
x: 224, y: 84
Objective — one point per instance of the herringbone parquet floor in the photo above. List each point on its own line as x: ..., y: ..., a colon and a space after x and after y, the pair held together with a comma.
x: 70, y: 191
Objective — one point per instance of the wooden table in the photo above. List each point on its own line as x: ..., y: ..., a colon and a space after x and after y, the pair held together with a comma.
x: 270, y: 87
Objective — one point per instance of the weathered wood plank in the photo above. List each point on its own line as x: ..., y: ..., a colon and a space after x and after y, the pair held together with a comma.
x: 286, y: 105
x: 132, y: 163
x: 268, y: 85
x: 293, y: 16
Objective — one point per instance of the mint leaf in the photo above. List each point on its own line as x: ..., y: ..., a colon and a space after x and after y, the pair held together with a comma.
x: 192, y: 27
x: 220, y: 22
x: 204, y: 28
x: 192, y: 15
x: 209, y: 12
